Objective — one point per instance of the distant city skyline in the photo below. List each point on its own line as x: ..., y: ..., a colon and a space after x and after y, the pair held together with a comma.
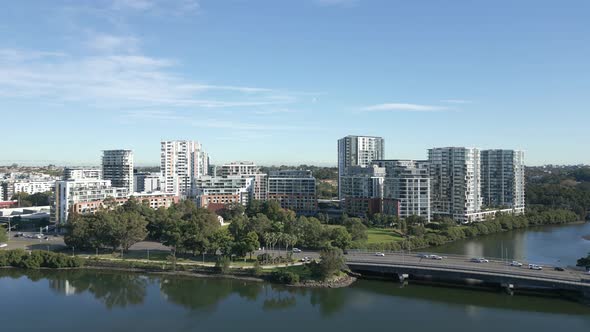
x: 279, y: 82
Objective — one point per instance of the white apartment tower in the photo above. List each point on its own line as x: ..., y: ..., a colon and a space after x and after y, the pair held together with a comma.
x: 502, y: 179
x: 455, y: 177
x: 358, y: 151
x: 117, y: 166
x: 407, y: 181
x: 182, y: 162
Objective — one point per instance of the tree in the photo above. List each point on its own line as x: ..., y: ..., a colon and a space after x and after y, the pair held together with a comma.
x: 584, y: 261
x: 222, y: 241
x: 231, y: 211
x: 340, y: 238
x: 331, y: 262
x: 3, y: 235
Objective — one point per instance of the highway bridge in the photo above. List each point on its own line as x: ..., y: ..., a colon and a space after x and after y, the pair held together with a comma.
x: 462, y: 268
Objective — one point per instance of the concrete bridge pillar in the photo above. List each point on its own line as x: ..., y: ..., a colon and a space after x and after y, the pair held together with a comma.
x: 509, y: 288
x: 402, y: 277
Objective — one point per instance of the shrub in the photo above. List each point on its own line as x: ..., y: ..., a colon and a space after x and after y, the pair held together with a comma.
x: 285, y: 277
x: 222, y: 265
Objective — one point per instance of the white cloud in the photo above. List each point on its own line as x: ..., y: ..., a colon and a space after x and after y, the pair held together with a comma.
x: 112, y: 44
x: 117, y: 81
x: 403, y: 107
x: 162, y: 6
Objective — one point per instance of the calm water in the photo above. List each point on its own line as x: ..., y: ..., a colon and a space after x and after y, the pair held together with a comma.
x: 550, y: 245
x: 112, y: 301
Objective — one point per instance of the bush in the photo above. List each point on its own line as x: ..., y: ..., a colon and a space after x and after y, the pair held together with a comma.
x: 257, y: 269
x: 38, y: 259
x: 285, y: 277
x: 222, y: 265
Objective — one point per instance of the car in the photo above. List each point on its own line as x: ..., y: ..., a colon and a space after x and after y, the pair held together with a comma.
x: 3, y: 245
x: 479, y: 260
x: 379, y: 254
x: 516, y: 263
x: 557, y: 268
x: 535, y: 267
x: 296, y: 250
x: 424, y: 256
x: 436, y: 257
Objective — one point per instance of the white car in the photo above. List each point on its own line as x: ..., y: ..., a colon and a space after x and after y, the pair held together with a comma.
x: 535, y: 267
x: 436, y: 257
x: 479, y: 260
x: 516, y: 263
x: 3, y: 245
x: 296, y: 250
x: 379, y: 254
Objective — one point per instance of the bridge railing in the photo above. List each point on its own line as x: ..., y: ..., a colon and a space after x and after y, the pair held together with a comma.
x: 508, y: 260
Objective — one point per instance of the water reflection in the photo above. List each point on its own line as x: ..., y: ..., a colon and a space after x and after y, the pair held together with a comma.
x: 117, y: 290
x: 112, y: 289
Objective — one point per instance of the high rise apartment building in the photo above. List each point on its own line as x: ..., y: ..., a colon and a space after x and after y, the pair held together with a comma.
x: 117, y: 167
x: 408, y: 182
x: 181, y: 163
x: 502, y: 179
x: 455, y: 177
x: 358, y: 151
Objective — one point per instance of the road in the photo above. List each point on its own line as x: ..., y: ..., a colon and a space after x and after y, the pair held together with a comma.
x: 464, y: 263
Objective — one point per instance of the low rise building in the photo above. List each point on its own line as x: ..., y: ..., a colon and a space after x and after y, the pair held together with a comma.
x: 146, y: 182
x: 294, y: 190
x: 82, y: 173
x: 71, y: 193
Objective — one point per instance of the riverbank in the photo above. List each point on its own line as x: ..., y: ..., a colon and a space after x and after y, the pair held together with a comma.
x: 439, y: 234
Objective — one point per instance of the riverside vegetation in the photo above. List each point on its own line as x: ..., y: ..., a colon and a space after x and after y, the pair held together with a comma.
x: 191, y: 231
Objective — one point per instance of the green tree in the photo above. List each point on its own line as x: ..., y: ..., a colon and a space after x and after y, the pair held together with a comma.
x: 331, y: 262
x: 128, y: 229
x: 3, y: 235
x: 340, y: 238
x: 584, y: 261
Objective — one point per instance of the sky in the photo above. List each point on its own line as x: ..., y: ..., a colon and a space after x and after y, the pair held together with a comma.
x: 279, y: 81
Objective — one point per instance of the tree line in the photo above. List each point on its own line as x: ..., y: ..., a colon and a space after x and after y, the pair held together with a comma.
x: 187, y: 229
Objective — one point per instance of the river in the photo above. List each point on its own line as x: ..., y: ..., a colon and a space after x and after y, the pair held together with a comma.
x: 113, y: 301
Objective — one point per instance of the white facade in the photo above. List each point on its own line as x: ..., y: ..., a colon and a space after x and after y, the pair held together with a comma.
x: 503, y: 183
x: 407, y: 181
x: 30, y: 187
x: 237, y: 168
x: 146, y: 182
x: 456, y: 183
x: 117, y: 166
x: 75, y: 173
x: 358, y: 151
x: 181, y: 163
x: 224, y: 190
x: 68, y: 193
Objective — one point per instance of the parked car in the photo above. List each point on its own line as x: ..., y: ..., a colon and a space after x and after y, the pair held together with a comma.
x: 557, y: 268
x: 535, y: 267
x: 379, y: 254
x: 296, y: 250
x: 516, y: 263
x: 479, y: 260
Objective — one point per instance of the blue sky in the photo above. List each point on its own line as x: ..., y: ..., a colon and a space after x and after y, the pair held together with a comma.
x: 279, y: 81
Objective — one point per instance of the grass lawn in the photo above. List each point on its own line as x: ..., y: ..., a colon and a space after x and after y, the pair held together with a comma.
x: 382, y: 235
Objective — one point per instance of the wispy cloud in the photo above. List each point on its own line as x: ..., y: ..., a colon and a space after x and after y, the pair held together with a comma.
x: 113, y: 44
x: 120, y: 80
x: 456, y: 101
x: 175, y: 6
x: 403, y: 107
x: 245, y: 126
